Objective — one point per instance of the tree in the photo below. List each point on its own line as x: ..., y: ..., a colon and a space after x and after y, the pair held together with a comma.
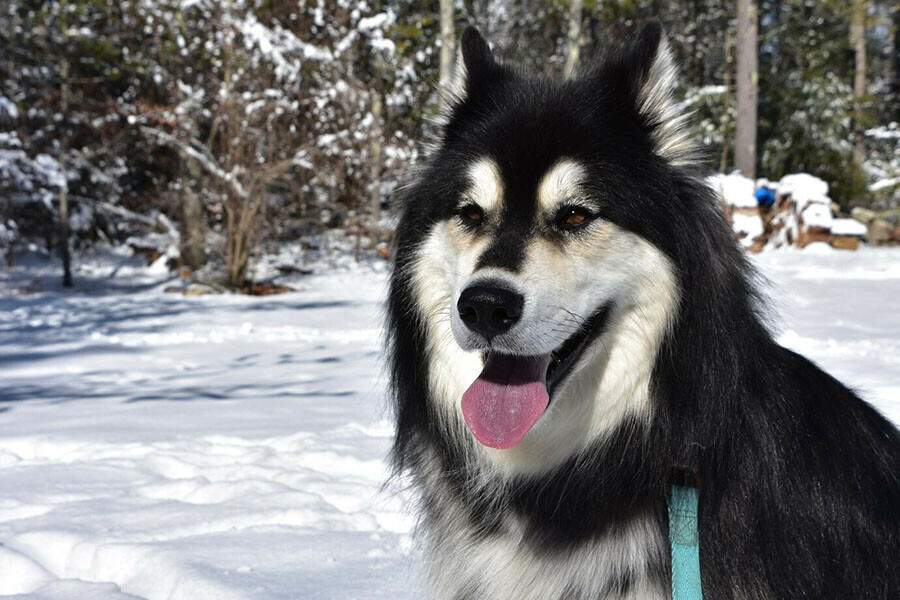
x: 858, y: 39
x: 573, y: 43
x: 192, y: 227
x: 448, y: 39
x: 64, y: 189
x: 746, y: 80
x: 807, y: 116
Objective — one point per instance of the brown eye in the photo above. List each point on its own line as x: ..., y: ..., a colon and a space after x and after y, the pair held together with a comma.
x: 471, y: 214
x: 572, y: 217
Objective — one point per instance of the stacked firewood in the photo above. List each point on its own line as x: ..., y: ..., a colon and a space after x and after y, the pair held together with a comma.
x: 800, y: 214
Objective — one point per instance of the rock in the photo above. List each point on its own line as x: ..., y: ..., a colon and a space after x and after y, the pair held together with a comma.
x: 286, y: 269
x: 879, y: 232
x: 892, y: 216
x: 895, y: 234
x: 199, y: 289
x: 863, y: 214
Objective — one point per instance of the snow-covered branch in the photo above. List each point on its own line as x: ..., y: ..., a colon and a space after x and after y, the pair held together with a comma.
x: 201, y: 157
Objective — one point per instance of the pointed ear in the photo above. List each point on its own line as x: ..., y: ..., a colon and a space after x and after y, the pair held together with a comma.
x: 475, y: 67
x: 655, y: 76
x: 652, y: 80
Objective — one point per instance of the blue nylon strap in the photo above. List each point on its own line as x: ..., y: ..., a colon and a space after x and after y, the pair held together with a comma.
x: 684, y: 537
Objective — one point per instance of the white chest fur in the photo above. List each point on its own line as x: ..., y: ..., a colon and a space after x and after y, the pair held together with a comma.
x: 504, y: 566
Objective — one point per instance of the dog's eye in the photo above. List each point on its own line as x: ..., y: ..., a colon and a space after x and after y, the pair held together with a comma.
x: 572, y: 217
x: 471, y: 214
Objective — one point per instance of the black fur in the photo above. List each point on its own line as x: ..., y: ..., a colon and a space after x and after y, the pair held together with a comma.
x: 800, y: 492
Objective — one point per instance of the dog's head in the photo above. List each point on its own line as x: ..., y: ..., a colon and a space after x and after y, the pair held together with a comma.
x: 534, y: 241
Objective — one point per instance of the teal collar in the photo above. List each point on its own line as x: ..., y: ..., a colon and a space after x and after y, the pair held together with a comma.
x: 684, y: 538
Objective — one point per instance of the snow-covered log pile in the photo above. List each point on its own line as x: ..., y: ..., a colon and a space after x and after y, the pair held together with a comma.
x: 846, y: 233
x: 736, y: 192
x: 806, y: 200
x: 802, y: 213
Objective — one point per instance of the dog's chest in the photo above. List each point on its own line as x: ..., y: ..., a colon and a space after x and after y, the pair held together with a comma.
x: 625, y: 564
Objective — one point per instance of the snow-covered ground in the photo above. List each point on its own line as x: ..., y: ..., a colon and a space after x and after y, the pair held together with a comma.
x: 196, y: 448
x: 167, y: 447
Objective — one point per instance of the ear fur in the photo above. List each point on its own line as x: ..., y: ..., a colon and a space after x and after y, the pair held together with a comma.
x: 654, y: 80
x: 475, y: 67
x: 644, y: 66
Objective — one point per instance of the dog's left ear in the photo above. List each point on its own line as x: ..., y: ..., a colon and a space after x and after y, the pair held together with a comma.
x: 476, y: 68
x: 648, y: 66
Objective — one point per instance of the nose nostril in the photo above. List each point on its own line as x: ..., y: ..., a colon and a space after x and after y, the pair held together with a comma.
x: 500, y: 316
x: 468, y: 315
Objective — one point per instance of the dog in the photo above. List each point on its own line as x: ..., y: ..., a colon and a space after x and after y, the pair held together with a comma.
x: 569, y: 320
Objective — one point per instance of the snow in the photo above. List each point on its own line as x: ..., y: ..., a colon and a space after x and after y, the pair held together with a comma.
x: 805, y: 189
x: 737, y: 192
x: 749, y: 225
x: 378, y: 21
x: 838, y: 309
x: 883, y: 184
x: 888, y: 132
x: 848, y: 227
x: 10, y: 139
x: 817, y: 215
x: 383, y: 45
x: 24, y: 174
x: 735, y: 189
x: 159, y: 446
x: 280, y: 46
x: 197, y: 447
x: 9, y: 108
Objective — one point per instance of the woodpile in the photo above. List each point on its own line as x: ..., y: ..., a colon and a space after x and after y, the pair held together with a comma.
x: 847, y: 233
x: 802, y: 214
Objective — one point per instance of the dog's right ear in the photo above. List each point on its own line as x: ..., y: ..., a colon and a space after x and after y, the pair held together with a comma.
x: 476, y: 67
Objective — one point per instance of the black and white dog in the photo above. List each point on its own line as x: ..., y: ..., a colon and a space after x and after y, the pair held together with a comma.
x: 569, y: 320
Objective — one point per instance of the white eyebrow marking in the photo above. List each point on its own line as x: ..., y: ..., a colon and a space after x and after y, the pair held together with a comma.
x: 562, y: 182
x: 487, y: 186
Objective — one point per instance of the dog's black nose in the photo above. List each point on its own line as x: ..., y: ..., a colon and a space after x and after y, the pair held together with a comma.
x: 489, y: 310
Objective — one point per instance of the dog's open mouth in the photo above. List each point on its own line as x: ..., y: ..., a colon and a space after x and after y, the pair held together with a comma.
x: 512, y: 392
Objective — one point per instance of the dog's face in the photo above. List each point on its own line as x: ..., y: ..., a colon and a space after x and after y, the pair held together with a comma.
x: 543, y: 297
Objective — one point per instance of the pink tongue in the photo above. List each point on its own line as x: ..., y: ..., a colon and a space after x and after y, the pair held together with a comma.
x: 507, y: 399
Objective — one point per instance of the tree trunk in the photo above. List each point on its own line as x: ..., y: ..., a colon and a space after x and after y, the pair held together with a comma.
x: 193, y: 227
x: 375, y: 173
x: 858, y: 38
x: 448, y: 40
x: 895, y: 62
x: 573, y: 44
x: 236, y: 255
x: 729, y: 45
x: 64, y: 191
x: 746, y: 82
x: 64, y: 233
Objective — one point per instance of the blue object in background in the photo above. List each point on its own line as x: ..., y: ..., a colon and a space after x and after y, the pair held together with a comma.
x: 764, y: 196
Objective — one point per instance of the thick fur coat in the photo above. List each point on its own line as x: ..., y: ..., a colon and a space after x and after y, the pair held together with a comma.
x: 586, y: 199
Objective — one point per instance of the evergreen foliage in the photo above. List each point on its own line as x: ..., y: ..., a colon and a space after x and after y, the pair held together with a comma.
x: 294, y: 116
